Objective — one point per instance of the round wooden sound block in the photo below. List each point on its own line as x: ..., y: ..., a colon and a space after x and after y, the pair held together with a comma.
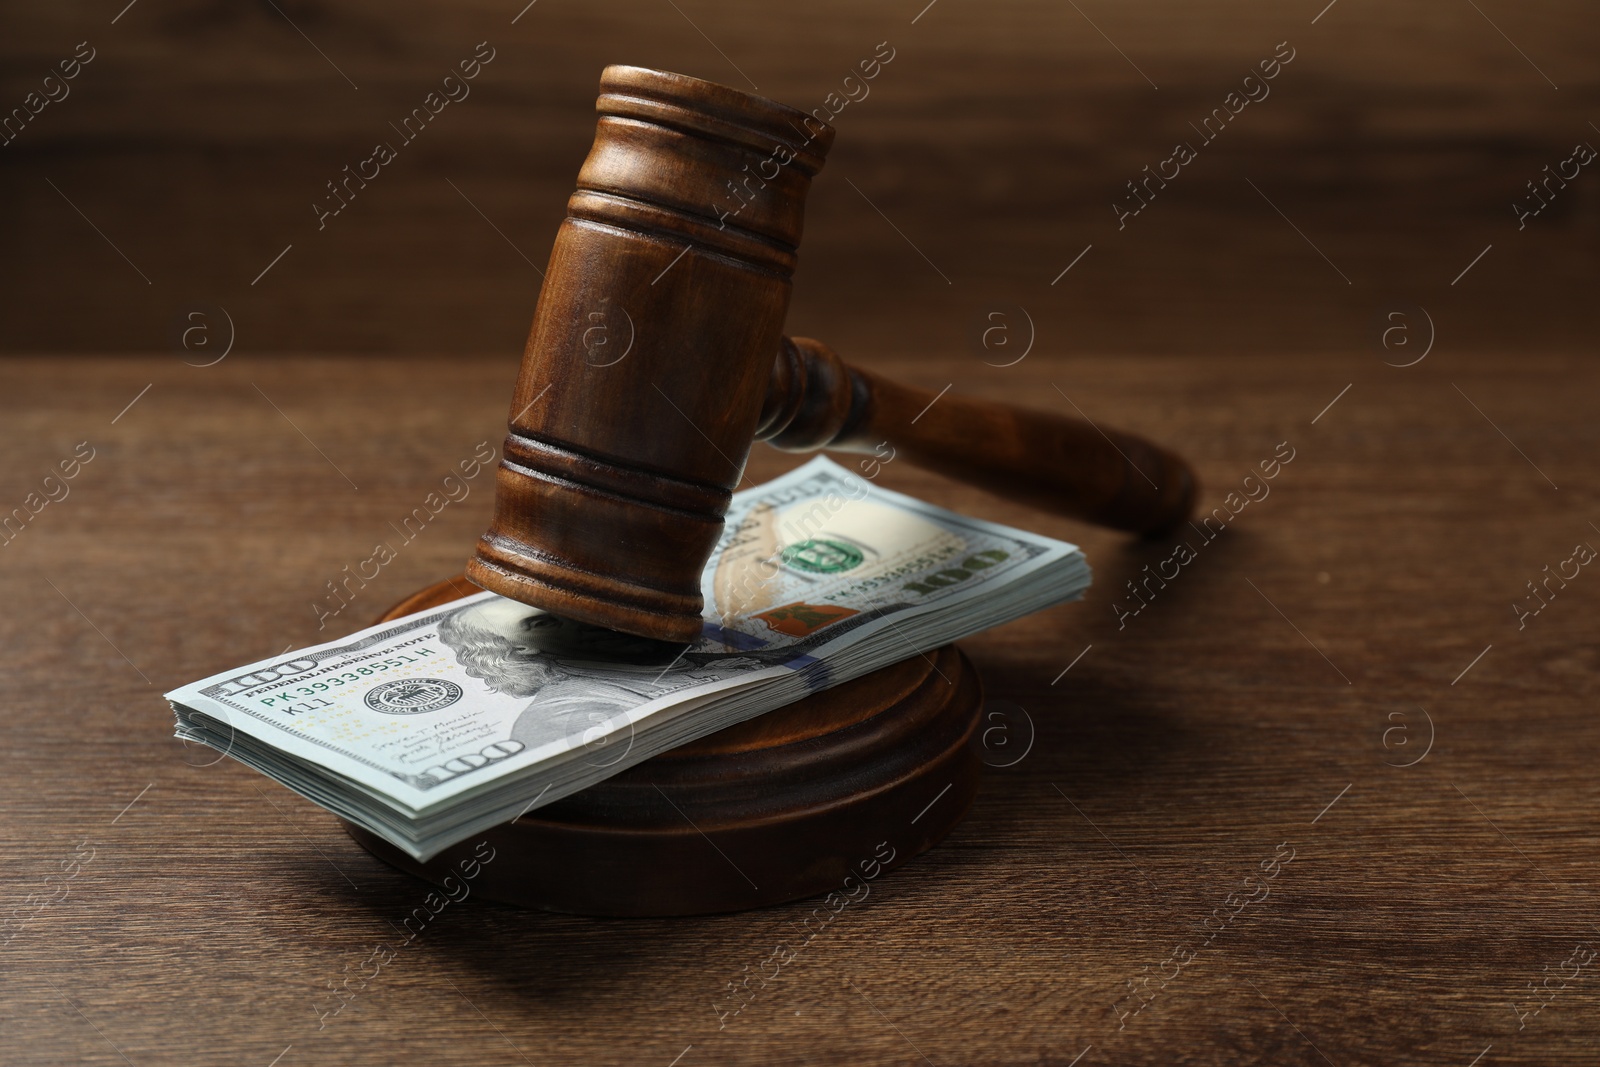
x: 851, y: 781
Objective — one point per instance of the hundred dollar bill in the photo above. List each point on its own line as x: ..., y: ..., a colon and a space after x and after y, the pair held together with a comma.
x: 430, y: 728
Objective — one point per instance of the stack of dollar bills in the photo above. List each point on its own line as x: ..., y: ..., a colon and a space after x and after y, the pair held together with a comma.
x: 430, y: 728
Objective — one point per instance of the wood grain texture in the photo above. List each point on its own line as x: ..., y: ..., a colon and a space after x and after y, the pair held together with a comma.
x: 1167, y: 764
x: 621, y: 456
x: 996, y: 141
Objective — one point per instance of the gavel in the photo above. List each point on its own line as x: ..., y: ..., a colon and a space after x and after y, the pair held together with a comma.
x: 617, y: 471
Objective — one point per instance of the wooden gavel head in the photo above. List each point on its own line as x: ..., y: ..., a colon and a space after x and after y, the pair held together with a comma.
x: 656, y: 357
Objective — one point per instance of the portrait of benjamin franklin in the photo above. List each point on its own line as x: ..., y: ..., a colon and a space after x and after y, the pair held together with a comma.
x: 580, y: 679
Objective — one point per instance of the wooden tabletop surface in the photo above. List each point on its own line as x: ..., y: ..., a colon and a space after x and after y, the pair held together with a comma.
x: 1323, y: 799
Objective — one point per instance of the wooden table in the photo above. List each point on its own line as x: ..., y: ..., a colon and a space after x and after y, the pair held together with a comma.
x: 997, y: 142
x: 1265, y: 703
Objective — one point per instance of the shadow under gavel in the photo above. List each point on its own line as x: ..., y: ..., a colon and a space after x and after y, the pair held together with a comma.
x: 616, y: 475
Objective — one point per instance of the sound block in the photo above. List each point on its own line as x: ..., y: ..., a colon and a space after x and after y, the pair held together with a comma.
x: 854, y: 780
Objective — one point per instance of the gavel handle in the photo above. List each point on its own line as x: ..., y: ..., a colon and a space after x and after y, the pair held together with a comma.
x: 1068, y: 466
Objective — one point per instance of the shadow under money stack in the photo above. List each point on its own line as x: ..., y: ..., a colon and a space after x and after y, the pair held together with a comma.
x: 593, y: 717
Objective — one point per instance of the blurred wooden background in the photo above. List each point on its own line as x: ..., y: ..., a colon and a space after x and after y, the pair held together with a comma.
x: 200, y: 135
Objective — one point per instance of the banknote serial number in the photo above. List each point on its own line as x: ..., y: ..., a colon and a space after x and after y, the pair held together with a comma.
x: 286, y: 700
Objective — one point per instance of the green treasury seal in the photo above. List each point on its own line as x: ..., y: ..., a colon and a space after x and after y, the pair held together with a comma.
x: 822, y: 556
